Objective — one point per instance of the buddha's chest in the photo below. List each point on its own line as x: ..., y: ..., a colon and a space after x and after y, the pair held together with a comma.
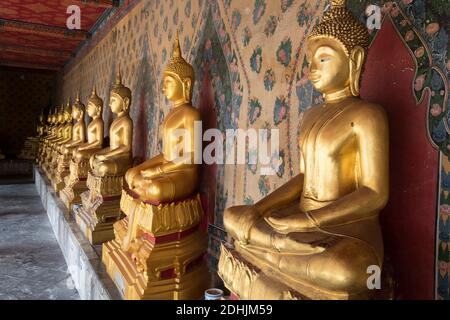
x: 327, y: 133
x: 174, y: 130
x: 116, y: 133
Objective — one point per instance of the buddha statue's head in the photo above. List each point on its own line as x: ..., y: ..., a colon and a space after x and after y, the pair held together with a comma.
x: 178, y: 78
x: 67, y: 112
x: 95, y: 104
x: 60, y: 115
x: 78, y: 109
x: 41, y: 117
x: 50, y: 117
x: 120, y: 99
x: 336, y: 51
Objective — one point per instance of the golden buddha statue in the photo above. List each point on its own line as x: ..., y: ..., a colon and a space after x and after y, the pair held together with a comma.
x: 117, y: 158
x: 101, y: 203
x: 162, y: 179
x: 65, y: 150
x: 158, y: 249
x: 56, y: 145
x: 75, y: 183
x: 31, y: 145
x: 49, y: 131
x: 57, y: 134
x: 46, y: 132
x: 316, y: 236
x: 94, y: 131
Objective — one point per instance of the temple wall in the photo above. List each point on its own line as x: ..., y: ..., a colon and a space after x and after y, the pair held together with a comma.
x: 22, y: 96
x: 249, y: 60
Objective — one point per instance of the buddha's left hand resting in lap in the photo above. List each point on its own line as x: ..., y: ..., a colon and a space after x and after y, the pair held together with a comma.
x: 116, y: 159
x: 321, y: 228
x: 164, y: 178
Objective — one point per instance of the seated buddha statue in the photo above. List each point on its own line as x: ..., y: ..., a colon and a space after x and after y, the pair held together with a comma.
x: 30, y: 147
x: 163, y: 178
x: 50, y: 131
x: 319, y: 233
x: 158, y: 247
x: 94, y: 130
x: 78, y: 129
x: 117, y: 158
x: 57, y: 135
x: 67, y: 130
x: 57, y: 125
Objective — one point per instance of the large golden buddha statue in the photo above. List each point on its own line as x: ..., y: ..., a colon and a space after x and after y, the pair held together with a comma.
x: 162, y: 178
x: 316, y: 236
x: 75, y: 183
x: 101, y: 203
x: 65, y: 149
x: 158, y: 248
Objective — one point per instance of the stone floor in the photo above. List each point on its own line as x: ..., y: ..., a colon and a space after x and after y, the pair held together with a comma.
x: 31, y: 263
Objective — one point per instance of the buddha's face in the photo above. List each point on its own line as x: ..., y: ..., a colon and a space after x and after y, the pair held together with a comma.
x: 60, y: 117
x: 67, y: 116
x: 329, y: 65
x: 172, y: 88
x: 116, y: 103
x: 77, y: 114
x: 92, y: 109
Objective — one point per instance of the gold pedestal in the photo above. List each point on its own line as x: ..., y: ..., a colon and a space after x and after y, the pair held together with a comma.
x: 100, y: 207
x: 158, y: 251
x: 75, y: 183
x: 61, y: 172
x: 53, y: 166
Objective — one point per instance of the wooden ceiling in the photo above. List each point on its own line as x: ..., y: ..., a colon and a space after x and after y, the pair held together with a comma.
x: 33, y: 33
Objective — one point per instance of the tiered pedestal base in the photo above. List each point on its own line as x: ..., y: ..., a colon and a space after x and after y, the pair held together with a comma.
x: 62, y: 171
x: 75, y: 183
x: 158, y: 252
x: 50, y: 164
x: 100, y: 207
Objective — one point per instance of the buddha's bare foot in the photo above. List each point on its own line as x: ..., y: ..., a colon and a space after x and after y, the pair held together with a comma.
x: 239, y: 220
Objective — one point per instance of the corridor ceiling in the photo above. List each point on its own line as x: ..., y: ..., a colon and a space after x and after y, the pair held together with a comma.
x: 34, y: 33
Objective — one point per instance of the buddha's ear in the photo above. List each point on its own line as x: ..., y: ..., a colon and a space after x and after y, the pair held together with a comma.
x: 126, y: 103
x: 356, y: 65
x: 187, y: 86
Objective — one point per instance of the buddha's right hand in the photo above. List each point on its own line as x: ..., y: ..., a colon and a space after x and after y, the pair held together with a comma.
x: 239, y: 220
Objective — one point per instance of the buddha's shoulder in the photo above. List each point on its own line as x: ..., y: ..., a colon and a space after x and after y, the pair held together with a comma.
x: 190, y: 111
x: 365, y: 108
x: 365, y: 113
